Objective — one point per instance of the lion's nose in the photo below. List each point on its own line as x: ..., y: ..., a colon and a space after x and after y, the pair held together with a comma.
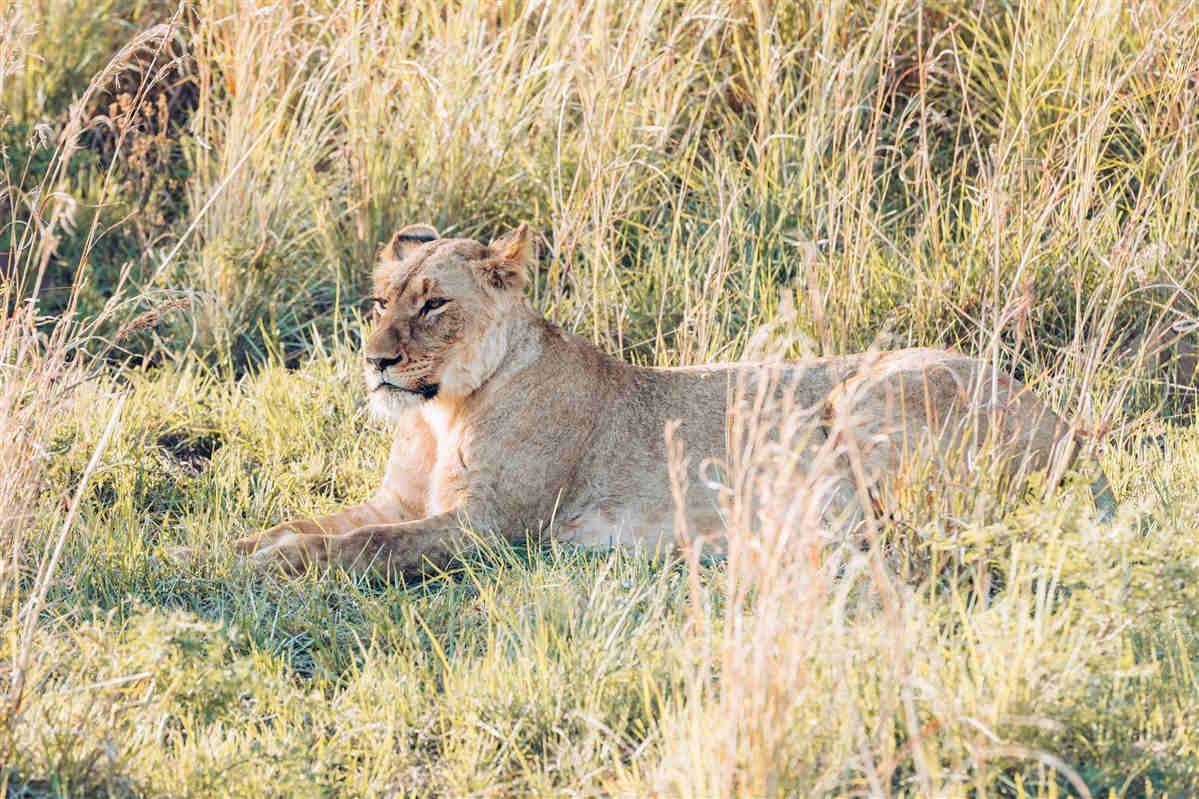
x: 382, y: 362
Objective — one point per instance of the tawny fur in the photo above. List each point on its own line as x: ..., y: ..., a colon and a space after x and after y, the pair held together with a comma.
x: 506, y: 424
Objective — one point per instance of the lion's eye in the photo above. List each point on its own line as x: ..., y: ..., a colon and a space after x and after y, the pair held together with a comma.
x: 433, y: 304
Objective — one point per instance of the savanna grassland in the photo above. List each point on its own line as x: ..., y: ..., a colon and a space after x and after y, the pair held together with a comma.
x: 192, y: 197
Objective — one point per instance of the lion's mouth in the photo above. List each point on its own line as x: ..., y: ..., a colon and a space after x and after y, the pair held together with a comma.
x: 427, y: 391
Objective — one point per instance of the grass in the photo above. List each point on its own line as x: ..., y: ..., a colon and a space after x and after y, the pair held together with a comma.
x: 192, y: 196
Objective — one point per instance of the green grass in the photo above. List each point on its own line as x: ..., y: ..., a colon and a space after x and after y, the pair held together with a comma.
x: 544, y: 671
x: 185, y: 227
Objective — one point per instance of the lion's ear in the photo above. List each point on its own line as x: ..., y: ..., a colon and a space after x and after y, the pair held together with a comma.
x: 408, y: 237
x: 511, y: 256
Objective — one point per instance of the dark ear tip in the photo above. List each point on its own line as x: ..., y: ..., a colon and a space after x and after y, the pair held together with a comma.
x: 412, y: 236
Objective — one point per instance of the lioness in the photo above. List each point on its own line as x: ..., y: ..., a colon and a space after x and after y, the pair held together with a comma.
x: 505, y: 423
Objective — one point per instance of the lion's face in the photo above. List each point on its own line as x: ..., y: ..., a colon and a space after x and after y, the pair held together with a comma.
x: 439, y: 311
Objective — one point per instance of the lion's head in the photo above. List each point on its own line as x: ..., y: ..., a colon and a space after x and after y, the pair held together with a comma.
x: 440, y: 312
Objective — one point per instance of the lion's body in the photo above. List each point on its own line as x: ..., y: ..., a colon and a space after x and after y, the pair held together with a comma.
x: 508, y: 425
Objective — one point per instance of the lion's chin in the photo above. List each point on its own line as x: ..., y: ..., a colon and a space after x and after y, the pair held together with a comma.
x: 390, y: 403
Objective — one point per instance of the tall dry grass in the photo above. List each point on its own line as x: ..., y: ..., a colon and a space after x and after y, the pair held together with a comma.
x: 989, y: 177
x: 899, y: 166
x: 825, y: 662
x: 44, y: 361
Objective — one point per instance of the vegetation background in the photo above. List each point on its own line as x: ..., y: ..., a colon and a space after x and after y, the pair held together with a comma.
x: 191, y: 198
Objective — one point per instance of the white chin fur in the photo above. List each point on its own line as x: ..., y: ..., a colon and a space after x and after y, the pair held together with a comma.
x: 390, y: 405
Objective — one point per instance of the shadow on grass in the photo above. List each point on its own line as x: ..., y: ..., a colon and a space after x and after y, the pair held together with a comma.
x: 323, y: 624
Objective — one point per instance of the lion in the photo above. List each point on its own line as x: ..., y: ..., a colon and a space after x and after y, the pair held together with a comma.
x: 506, y: 424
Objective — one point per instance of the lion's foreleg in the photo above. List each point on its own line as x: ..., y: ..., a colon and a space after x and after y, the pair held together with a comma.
x: 397, y: 549
x: 378, y: 510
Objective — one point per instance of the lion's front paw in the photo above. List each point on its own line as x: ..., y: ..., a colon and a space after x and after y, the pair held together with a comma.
x: 287, y: 546
x: 292, y: 553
